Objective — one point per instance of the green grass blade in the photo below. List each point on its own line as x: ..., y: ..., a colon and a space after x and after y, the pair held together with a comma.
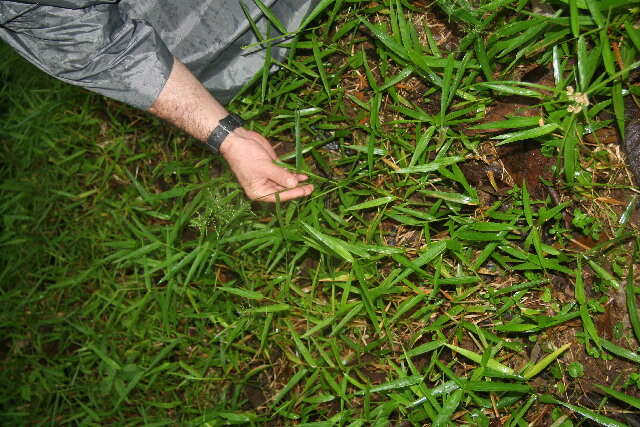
x: 632, y: 299
x: 320, y: 65
x: 587, y: 413
x: 449, y: 407
x: 270, y: 16
x: 546, y: 361
x: 630, y: 400
x: 491, y: 363
x: 372, y: 203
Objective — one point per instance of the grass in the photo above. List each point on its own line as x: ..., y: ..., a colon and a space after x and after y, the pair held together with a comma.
x: 139, y: 287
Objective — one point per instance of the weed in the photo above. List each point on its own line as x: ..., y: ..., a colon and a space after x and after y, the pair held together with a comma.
x: 438, y: 275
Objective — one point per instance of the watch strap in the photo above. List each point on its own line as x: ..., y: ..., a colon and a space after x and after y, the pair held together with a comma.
x: 220, y: 133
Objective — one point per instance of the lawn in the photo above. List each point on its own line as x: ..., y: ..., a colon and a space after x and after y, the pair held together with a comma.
x: 469, y: 256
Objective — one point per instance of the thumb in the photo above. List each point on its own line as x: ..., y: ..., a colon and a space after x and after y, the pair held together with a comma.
x: 282, y: 176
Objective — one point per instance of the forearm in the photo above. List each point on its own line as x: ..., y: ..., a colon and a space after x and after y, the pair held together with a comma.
x: 187, y: 104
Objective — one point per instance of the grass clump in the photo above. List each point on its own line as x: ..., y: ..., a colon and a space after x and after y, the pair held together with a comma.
x: 472, y: 240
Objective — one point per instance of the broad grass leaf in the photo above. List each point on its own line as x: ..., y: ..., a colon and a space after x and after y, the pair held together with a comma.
x: 634, y: 35
x: 244, y: 293
x: 426, y: 348
x: 630, y: 400
x: 273, y: 308
x: 511, y: 123
x: 295, y: 379
x: 587, y: 413
x: 322, y: 5
x: 496, y: 386
x: 546, y: 361
x: 270, y: 16
x: 449, y: 407
x: 451, y: 197
x: 431, y: 166
x: 320, y: 65
x: 631, y: 298
x: 620, y: 351
x: 491, y: 363
x: 526, y: 134
x: 510, y: 89
x: 336, y: 245
x: 397, y: 384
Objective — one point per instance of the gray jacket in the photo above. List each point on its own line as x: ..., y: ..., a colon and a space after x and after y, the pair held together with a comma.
x: 124, y: 49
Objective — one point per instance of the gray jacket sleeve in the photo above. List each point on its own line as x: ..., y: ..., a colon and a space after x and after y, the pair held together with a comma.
x: 96, y: 47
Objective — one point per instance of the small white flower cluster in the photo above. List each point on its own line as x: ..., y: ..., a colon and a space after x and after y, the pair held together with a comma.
x: 579, y: 99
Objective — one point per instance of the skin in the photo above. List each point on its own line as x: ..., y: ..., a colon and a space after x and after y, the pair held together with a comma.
x: 186, y: 103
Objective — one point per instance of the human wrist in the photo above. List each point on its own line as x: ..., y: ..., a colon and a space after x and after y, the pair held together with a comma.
x: 225, y: 127
x: 231, y: 140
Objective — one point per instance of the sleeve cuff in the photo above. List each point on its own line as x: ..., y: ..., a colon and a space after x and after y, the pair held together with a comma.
x: 96, y: 48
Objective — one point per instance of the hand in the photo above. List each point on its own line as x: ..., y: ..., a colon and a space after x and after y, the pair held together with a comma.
x: 251, y: 159
x: 249, y: 154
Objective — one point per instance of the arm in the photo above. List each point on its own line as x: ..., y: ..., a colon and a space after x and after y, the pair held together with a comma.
x: 125, y: 59
x: 186, y: 103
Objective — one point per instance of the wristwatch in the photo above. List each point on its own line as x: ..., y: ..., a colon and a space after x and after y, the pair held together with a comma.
x: 220, y: 133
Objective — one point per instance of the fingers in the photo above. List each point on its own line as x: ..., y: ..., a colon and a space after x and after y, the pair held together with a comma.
x: 263, y: 180
x: 281, y: 176
x: 286, y: 195
x: 280, y: 184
